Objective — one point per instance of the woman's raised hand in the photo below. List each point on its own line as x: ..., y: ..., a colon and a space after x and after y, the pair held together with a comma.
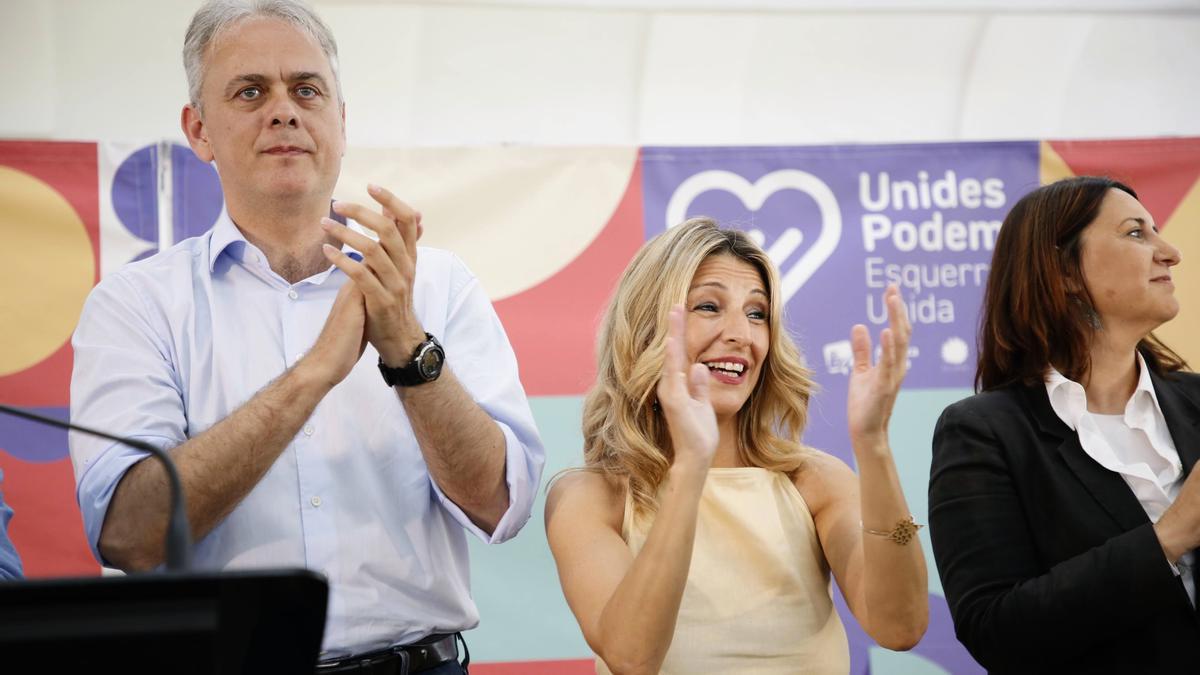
x: 873, y: 389
x: 683, y: 398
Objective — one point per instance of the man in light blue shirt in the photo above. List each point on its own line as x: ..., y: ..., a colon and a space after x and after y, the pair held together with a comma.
x: 255, y: 352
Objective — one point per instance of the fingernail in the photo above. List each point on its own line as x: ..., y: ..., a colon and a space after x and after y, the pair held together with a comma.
x: 328, y: 222
x: 337, y: 205
x: 373, y: 188
x: 328, y: 249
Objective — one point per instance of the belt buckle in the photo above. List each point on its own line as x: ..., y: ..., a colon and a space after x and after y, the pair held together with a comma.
x: 402, y: 661
x: 424, y: 655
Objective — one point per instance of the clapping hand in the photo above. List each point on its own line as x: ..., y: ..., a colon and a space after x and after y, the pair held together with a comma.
x: 873, y: 389
x: 385, y: 275
x: 683, y: 396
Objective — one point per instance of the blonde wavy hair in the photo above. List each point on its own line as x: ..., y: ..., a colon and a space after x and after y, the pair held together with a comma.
x: 625, y: 437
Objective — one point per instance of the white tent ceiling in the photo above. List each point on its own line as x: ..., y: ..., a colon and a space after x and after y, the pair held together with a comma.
x: 1138, y: 6
x: 615, y: 72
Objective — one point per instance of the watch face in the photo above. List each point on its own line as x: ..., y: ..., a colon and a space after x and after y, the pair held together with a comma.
x: 430, y: 362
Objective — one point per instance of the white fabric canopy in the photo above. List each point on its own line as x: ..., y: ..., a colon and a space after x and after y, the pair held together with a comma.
x: 617, y: 72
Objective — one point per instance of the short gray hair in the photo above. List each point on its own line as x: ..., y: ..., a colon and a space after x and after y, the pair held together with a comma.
x: 218, y: 15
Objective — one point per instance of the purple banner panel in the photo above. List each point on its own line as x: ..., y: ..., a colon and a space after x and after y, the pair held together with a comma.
x: 842, y: 222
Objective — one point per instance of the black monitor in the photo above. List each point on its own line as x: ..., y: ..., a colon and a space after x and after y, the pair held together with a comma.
x: 228, y: 622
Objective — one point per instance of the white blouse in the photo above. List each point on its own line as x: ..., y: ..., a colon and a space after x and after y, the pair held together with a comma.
x: 1137, y: 445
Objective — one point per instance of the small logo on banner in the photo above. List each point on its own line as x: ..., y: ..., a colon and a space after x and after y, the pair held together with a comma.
x: 839, y: 357
x: 753, y: 196
x: 955, y: 351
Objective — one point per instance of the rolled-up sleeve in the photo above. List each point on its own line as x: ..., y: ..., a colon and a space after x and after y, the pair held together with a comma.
x: 479, y: 354
x: 123, y: 383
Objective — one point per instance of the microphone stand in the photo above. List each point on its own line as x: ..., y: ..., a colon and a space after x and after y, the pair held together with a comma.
x: 178, y: 537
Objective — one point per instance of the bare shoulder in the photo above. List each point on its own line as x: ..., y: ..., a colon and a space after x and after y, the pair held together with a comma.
x: 586, y: 495
x: 824, y: 479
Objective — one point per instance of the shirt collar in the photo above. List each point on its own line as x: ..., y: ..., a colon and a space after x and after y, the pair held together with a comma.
x: 1143, y: 406
x: 227, y: 238
x: 225, y: 235
x: 1069, y: 400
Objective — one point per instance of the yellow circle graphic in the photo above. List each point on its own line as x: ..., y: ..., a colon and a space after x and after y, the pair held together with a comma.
x: 46, y: 270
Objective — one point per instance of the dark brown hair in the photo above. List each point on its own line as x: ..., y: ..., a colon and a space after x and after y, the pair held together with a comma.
x: 1037, y: 312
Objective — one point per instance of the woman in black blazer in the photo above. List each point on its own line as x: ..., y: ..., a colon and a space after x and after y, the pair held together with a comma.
x: 1050, y: 561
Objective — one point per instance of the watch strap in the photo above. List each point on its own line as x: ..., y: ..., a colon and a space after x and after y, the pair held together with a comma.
x: 409, y: 375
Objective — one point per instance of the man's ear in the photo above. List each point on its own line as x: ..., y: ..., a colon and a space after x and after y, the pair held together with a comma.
x: 343, y: 129
x: 193, y: 127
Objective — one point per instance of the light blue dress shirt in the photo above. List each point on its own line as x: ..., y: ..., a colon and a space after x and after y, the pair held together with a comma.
x: 168, y: 346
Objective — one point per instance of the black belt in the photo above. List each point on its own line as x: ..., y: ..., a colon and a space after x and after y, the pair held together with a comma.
x: 424, y: 654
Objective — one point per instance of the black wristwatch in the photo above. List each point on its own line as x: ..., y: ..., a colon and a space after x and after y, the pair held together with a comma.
x: 425, y: 366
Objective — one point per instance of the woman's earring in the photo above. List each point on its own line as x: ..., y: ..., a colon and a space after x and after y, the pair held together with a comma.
x: 1089, y: 312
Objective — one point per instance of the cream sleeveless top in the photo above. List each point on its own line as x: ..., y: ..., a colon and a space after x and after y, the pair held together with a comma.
x: 757, y: 599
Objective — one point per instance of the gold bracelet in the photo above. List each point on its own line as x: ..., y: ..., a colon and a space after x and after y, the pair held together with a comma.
x: 902, y: 533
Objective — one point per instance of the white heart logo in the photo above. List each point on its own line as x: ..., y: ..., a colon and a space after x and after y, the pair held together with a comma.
x: 753, y: 196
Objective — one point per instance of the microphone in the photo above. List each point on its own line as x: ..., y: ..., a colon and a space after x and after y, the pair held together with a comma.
x: 178, y: 538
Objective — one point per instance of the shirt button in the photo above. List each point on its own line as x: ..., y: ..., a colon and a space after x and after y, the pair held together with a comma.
x: 308, y: 430
x: 293, y: 294
x: 315, y: 501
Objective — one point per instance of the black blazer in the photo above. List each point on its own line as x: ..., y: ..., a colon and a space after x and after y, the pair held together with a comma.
x: 1048, y: 561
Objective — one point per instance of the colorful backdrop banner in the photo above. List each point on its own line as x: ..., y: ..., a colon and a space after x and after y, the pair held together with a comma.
x: 548, y: 231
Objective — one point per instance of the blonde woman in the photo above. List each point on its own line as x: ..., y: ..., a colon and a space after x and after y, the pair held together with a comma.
x: 700, y: 536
